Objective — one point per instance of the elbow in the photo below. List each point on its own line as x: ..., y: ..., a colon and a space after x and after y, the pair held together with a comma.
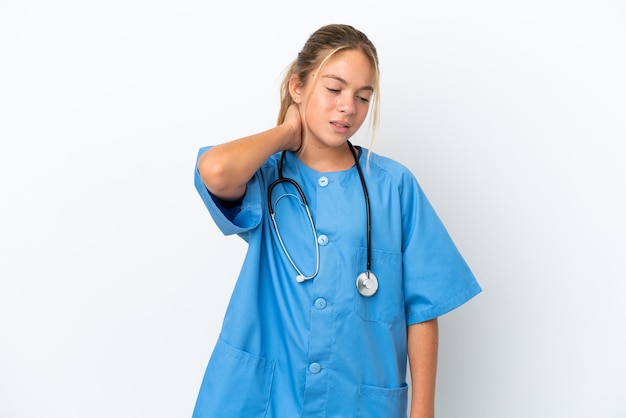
x: 212, y: 173
x: 215, y: 176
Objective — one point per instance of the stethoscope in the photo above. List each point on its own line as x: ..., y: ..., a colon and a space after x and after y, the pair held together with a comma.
x: 366, y: 282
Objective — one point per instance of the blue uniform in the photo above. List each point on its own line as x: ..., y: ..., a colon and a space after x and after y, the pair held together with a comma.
x: 319, y: 348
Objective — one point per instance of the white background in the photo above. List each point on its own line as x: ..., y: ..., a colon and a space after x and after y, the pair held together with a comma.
x: 114, y: 280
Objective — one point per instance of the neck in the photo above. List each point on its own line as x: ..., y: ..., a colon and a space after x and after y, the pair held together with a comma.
x: 327, y: 159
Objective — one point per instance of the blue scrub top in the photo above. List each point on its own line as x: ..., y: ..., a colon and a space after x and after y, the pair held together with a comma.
x: 319, y: 348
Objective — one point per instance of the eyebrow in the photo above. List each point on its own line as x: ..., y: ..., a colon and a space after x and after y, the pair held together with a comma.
x: 342, y: 81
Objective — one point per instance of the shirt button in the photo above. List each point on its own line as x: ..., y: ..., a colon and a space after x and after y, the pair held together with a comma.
x: 320, y: 303
x: 322, y: 239
x: 315, y: 368
x: 323, y: 181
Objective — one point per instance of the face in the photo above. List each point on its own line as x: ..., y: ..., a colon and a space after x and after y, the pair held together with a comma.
x: 337, y: 103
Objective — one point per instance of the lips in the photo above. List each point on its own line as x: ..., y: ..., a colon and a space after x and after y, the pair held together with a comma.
x: 341, y: 125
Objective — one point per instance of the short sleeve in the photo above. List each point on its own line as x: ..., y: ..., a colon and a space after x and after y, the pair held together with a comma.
x: 436, y: 277
x: 238, y: 219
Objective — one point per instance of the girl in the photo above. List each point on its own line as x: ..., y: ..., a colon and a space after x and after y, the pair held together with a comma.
x: 348, y: 266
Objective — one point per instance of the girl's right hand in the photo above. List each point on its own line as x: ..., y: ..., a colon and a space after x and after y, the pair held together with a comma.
x: 226, y: 168
x: 293, y: 119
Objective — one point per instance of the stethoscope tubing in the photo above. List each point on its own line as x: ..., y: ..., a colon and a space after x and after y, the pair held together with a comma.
x: 367, y: 208
x: 301, y: 276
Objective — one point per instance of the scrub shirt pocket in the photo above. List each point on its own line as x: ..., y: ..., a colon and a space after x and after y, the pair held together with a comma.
x: 387, y: 304
x: 376, y: 402
x: 236, y: 384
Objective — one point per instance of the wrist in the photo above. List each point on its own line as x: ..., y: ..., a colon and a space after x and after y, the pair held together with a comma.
x: 292, y: 139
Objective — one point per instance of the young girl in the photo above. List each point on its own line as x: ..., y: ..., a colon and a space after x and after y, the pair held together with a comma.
x: 348, y: 266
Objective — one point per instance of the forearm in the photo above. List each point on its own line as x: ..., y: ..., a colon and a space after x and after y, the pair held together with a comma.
x: 422, y: 347
x: 226, y: 168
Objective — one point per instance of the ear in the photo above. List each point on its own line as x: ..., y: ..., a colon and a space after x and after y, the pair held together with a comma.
x: 295, y: 88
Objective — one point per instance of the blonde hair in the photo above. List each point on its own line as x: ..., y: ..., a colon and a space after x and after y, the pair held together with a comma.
x: 330, y: 39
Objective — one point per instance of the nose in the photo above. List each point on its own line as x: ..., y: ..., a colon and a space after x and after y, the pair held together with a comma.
x: 346, y: 104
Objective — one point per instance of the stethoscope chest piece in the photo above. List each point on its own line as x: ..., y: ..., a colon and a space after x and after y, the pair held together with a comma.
x: 367, y: 284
